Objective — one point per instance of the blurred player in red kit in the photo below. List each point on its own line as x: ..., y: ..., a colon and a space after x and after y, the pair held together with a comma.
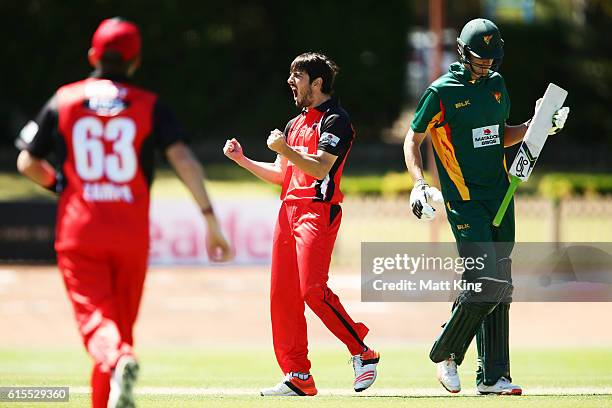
x: 103, y: 132
x: 311, y: 153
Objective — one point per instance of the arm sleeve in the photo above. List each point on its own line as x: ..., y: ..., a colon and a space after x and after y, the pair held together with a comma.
x: 166, y: 128
x: 336, y: 135
x: 427, y: 109
x: 37, y: 136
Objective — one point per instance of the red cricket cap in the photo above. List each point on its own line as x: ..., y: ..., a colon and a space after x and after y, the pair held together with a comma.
x: 115, y: 34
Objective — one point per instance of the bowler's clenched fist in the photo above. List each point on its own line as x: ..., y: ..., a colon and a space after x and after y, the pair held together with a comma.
x: 233, y: 150
x: 276, y: 141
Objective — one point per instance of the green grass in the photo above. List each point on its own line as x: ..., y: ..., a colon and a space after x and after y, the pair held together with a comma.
x: 171, y: 187
x: 240, y: 368
x: 229, y: 179
x: 166, y: 401
x: 14, y: 186
x: 380, y: 402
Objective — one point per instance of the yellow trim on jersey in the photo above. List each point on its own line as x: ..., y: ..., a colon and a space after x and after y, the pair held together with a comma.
x: 506, y: 167
x: 446, y: 153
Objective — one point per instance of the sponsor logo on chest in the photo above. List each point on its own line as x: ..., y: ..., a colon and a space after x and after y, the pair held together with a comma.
x: 305, y: 133
x: 485, y: 136
x: 304, y: 138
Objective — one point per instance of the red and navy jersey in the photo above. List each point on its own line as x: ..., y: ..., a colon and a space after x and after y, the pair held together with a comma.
x: 326, y: 127
x: 103, y: 133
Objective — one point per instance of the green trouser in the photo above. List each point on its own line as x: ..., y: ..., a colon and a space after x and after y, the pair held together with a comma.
x: 484, y: 316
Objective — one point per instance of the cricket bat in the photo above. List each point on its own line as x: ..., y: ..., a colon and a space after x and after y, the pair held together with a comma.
x: 532, y: 144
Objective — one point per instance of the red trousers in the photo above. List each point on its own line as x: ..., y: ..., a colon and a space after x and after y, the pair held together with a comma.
x: 303, y: 242
x: 105, y: 287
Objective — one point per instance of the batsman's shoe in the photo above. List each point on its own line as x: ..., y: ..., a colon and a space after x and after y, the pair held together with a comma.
x: 122, y: 383
x: 448, y: 376
x: 502, y: 387
x: 364, y: 365
x: 292, y: 386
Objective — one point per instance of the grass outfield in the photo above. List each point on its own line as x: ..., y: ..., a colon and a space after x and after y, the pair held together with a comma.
x: 230, y: 378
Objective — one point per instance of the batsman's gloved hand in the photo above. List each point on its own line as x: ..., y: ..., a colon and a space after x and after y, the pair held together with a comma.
x: 421, y: 197
x: 558, y: 120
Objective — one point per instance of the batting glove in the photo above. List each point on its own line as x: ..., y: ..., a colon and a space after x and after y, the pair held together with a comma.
x: 420, y: 198
x: 558, y: 120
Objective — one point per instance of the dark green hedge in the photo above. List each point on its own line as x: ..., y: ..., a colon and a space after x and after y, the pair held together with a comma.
x: 222, y: 65
x: 550, y: 185
x: 560, y: 185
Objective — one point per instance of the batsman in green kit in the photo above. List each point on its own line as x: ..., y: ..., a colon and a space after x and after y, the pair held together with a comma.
x: 465, y: 112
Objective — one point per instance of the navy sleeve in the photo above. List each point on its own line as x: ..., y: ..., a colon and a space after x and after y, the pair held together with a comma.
x: 37, y: 136
x: 336, y: 134
x: 166, y: 128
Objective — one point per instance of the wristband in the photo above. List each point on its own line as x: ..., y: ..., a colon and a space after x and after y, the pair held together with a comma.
x: 55, y: 187
x: 419, y: 183
x: 207, y: 211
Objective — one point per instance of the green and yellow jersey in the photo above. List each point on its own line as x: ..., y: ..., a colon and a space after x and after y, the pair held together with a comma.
x: 466, y: 121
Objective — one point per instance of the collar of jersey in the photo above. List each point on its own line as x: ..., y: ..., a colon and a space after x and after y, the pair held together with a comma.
x: 462, y: 73
x: 325, y: 106
x: 115, y: 78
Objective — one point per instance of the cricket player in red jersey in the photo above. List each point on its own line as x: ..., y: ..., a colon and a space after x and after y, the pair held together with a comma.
x: 104, y: 131
x: 311, y: 153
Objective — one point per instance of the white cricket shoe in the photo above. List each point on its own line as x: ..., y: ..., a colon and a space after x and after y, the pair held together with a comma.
x: 291, y: 386
x: 122, y: 383
x: 364, y: 365
x: 502, y: 387
x: 447, y: 375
